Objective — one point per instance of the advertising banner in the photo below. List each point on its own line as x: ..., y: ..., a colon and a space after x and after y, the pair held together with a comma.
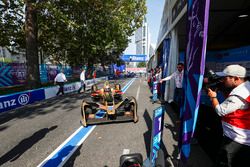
x: 51, y: 91
x: 136, y: 70
x: 43, y: 73
x: 155, y: 92
x: 197, y: 26
x: 218, y: 60
x: 134, y: 58
x: 156, y: 137
x: 165, y: 55
x: 12, y: 74
x: 13, y: 101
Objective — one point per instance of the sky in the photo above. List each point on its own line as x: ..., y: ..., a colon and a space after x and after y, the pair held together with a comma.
x: 154, y: 14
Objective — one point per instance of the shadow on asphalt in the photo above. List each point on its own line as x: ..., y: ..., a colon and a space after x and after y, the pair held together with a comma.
x: 147, y: 136
x: 174, y: 128
x: 24, y: 145
x: 208, y: 134
x: 71, y: 161
x: 67, y: 102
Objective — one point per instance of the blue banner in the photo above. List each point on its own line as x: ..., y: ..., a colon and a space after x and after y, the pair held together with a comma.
x: 155, y: 92
x: 43, y: 73
x: 230, y: 55
x: 165, y: 55
x: 134, y: 58
x: 13, y: 101
x: 197, y: 26
x: 157, y: 128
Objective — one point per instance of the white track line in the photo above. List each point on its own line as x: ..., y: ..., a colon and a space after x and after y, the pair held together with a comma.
x: 138, y: 92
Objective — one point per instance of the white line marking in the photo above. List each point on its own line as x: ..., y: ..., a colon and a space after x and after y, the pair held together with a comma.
x: 138, y: 92
x: 66, y: 141
x: 125, y: 151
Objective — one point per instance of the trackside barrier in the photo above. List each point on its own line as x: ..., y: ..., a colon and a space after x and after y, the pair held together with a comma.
x: 12, y: 101
x: 15, y: 100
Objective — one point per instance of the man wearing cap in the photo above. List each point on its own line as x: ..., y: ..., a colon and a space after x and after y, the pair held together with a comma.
x: 235, y: 114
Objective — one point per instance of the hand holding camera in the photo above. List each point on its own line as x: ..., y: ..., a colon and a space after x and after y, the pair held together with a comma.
x: 211, y: 93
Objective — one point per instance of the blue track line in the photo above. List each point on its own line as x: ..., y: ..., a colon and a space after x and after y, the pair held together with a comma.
x: 60, y: 156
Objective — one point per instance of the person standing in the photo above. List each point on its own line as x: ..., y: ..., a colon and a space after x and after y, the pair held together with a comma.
x: 178, y: 77
x: 82, y: 79
x: 235, y: 116
x: 59, y: 80
x: 158, y: 79
x: 94, y: 76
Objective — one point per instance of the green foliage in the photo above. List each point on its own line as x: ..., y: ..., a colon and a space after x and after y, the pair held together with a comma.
x: 141, y: 64
x: 12, y: 24
x: 75, y: 31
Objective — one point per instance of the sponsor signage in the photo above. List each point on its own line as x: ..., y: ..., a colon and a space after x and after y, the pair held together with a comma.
x: 136, y: 70
x: 12, y: 101
x: 134, y: 58
x: 155, y: 92
x: 157, y: 128
x: 51, y: 91
x: 20, y: 99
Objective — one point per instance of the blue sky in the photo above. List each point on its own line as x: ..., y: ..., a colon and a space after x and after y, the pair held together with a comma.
x: 154, y: 14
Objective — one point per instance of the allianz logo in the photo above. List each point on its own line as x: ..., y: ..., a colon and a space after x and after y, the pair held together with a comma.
x: 22, y: 99
x: 136, y: 58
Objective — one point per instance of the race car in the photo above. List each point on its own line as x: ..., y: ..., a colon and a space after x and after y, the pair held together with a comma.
x: 106, y: 92
x: 107, y: 105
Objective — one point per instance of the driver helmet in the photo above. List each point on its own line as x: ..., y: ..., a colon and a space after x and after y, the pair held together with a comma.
x: 106, y: 87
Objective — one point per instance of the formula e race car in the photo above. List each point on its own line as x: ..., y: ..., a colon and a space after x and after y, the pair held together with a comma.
x: 106, y: 92
x: 107, y: 105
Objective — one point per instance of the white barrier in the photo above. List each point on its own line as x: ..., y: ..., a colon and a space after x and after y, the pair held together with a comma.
x: 51, y: 91
x: 19, y: 99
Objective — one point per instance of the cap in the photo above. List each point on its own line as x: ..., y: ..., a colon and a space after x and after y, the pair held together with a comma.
x: 233, y: 70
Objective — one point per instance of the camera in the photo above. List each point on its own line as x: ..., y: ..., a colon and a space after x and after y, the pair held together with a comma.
x: 214, y: 81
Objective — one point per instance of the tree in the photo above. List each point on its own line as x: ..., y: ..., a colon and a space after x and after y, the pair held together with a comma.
x: 33, y: 75
x: 11, y: 25
x: 74, y: 32
x: 141, y: 64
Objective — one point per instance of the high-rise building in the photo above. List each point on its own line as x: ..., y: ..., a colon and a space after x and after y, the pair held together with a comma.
x: 142, y: 39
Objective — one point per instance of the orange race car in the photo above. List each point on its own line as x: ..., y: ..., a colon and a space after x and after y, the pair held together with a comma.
x: 107, y: 105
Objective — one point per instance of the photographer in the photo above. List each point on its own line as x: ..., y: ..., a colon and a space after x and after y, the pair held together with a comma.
x: 235, y: 116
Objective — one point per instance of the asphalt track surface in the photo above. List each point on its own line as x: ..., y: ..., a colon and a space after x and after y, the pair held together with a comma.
x: 30, y: 134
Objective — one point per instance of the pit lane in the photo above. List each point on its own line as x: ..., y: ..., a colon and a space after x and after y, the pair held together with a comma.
x: 29, y: 135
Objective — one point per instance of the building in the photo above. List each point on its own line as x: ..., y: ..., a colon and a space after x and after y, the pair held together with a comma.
x: 142, y: 39
x: 7, y: 57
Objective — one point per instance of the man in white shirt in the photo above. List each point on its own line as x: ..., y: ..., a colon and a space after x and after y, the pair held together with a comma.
x: 59, y: 80
x: 235, y: 116
x: 82, y: 79
x: 178, y: 77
